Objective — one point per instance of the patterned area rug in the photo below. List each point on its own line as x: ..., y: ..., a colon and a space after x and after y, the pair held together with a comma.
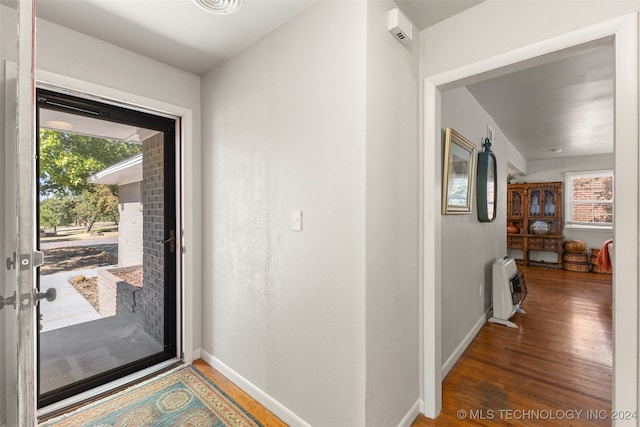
x: 182, y: 397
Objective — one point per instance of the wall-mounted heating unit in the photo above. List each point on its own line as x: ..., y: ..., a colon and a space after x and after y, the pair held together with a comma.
x: 400, y: 26
x: 509, y: 291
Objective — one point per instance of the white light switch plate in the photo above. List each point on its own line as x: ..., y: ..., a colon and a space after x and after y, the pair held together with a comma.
x: 296, y: 220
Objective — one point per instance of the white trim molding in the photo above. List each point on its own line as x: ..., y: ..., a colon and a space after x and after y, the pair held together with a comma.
x: 624, y: 30
x: 268, y: 401
x: 411, y: 416
x: 457, y: 353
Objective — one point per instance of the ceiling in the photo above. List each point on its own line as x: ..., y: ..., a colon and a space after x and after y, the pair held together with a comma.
x: 425, y: 13
x: 179, y: 33
x: 89, y: 126
x: 560, y: 108
x: 176, y: 32
x: 563, y: 102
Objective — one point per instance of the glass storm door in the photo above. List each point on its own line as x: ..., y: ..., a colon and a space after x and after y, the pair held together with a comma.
x: 17, y: 393
x: 106, y: 210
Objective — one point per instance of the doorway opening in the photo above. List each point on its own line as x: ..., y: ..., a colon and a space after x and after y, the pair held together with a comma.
x: 107, y: 225
x: 625, y: 302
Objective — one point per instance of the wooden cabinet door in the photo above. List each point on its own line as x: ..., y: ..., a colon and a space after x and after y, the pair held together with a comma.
x: 516, y: 201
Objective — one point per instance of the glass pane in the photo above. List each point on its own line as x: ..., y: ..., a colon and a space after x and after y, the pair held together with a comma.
x: 516, y: 207
x: 598, y: 213
x: 101, y: 216
x: 534, y: 204
x: 549, y: 203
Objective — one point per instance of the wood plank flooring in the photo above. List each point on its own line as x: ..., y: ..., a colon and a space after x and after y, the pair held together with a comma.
x: 556, y: 364
x: 559, y: 361
x: 259, y: 412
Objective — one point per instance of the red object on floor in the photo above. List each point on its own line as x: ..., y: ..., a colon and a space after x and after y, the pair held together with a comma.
x: 604, y: 261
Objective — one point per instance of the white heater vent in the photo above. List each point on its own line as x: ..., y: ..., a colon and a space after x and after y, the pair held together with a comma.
x: 400, y: 26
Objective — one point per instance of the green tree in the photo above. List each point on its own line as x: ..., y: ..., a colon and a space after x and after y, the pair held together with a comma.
x: 97, y: 204
x: 67, y: 160
x: 56, y: 211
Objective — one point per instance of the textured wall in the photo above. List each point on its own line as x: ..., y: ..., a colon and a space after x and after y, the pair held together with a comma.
x: 470, y: 247
x: 393, y: 364
x: 284, y: 130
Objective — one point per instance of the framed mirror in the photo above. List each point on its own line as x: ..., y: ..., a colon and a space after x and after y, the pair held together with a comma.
x: 487, y: 194
x: 458, y: 174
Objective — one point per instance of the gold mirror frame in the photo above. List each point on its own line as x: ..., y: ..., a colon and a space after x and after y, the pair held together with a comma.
x: 458, y: 174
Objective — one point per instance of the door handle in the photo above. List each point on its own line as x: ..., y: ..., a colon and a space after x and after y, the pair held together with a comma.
x: 171, y: 241
x: 50, y: 295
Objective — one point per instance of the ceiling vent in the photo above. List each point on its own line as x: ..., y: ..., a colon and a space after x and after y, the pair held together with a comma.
x: 400, y: 26
x: 220, y: 7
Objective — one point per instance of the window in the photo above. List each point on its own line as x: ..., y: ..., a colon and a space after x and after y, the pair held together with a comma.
x: 589, y: 199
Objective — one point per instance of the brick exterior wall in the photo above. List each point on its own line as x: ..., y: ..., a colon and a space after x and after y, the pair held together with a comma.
x: 596, y: 195
x: 117, y: 296
x: 130, y: 224
x: 153, y: 230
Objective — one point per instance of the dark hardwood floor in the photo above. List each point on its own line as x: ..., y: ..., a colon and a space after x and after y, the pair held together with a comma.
x: 556, y: 369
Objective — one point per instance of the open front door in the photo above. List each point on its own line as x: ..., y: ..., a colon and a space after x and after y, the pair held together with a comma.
x: 106, y: 215
x: 17, y: 392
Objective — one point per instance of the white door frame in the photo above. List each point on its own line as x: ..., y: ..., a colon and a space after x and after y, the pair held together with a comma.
x: 625, y: 278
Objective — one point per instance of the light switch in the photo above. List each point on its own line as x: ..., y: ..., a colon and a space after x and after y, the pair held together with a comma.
x: 296, y: 220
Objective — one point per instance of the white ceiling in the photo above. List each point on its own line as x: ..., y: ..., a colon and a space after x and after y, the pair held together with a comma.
x: 425, y: 13
x: 565, y: 104
x: 179, y: 33
x: 73, y: 123
x: 176, y: 32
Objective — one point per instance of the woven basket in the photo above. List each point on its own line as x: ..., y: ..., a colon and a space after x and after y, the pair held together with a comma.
x: 576, y: 257
x: 576, y: 266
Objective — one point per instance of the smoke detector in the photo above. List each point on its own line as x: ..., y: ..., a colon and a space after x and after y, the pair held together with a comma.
x: 220, y: 7
x: 400, y: 26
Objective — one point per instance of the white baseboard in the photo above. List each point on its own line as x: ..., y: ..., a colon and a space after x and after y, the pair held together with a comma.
x: 254, y: 391
x: 451, y: 361
x: 196, y: 354
x: 411, y: 416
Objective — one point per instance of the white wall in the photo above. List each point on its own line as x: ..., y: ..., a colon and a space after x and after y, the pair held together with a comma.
x: 554, y: 170
x: 470, y: 247
x: 392, y: 222
x: 130, y: 224
x: 284, y: 130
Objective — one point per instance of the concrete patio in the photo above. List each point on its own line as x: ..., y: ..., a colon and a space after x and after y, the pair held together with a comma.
x: 82, y: 350
x: 77, y: 343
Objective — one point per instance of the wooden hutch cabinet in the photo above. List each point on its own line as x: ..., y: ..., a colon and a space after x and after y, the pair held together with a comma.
x: 535, y: 206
